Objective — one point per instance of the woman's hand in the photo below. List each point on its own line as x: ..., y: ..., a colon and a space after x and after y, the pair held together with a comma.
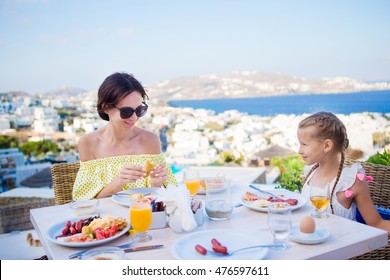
x: 159, y: 175
x: 128, y: 174
x: 131, y: 173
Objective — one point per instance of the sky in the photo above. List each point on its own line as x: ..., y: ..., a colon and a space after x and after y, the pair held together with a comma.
x: 49, y: 44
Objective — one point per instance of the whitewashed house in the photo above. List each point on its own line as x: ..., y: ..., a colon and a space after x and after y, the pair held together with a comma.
x: 46, y: 120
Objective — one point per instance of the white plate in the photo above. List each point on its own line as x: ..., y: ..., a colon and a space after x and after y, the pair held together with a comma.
x: 125, y: 200
x: 320, y: 235
x: 57, y: 228
x: 184, y: 247
x: 302, y: 200
x: 203, y: 192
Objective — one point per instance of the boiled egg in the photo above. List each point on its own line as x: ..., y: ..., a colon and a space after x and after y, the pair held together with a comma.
x: 308, y: 225
x: 261, y: 203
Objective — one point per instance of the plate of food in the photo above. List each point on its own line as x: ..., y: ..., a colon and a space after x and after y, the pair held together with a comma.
x: 318, y: 236
x: 125, y: 197
x: 184, y: 247
x: 259, y: 201
x: 87, y: 231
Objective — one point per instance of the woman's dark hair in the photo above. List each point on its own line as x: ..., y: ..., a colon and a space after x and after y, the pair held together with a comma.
x: 114, y: 88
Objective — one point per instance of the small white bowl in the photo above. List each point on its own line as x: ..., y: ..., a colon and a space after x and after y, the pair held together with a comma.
x: 84, y: 207
x: 104, y: 253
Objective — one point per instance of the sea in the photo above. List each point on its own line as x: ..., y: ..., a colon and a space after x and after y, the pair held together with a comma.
x: 340, y: 103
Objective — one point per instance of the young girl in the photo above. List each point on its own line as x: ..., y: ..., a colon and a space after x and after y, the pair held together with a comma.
x: 323, y: 141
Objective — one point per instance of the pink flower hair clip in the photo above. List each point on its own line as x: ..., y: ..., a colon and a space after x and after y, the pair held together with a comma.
x: 303, y: 176
x: 361, y: 177
x: 348, y: 193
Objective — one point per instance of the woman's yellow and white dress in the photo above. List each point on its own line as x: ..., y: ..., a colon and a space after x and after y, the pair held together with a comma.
x: 94, y: 175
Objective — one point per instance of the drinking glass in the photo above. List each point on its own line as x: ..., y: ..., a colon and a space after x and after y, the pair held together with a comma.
x: 192, y: 181
x: 218, y: 198
x: 279, y: 223
x: 141, y: 219
x: 320, y: 198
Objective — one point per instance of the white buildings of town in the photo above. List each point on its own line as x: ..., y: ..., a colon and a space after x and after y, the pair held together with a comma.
x: 199, y: 136
x: 46, y: 120
x: 192, y: 136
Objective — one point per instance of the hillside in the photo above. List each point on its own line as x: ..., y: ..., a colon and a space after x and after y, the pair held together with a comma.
x: 254, y: 84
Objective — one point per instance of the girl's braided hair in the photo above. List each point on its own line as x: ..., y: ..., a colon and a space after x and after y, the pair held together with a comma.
x: 328, y: 126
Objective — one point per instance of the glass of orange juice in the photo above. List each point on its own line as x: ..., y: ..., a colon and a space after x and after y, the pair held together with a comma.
x: 141, y: 219
x: 192, y: 181
x: 320, y: 198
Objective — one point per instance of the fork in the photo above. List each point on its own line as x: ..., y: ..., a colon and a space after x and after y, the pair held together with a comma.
x: 228, y: 254
x: 265, y: 192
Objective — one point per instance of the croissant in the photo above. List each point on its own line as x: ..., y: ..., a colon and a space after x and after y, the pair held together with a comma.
x: 148, y: 167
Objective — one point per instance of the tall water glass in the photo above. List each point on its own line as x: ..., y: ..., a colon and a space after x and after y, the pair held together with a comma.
x: 218, y: 198
x: 279, y: 223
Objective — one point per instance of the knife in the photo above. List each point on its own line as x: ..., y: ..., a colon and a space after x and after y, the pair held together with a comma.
x: 143, y: 248
x: 123, y: 246
x: 127, y: 250
x: 269, y: 193
x: 126, y: 194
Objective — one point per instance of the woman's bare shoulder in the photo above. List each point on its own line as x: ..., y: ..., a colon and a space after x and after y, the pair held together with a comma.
x: 89, y: 138
x: 87, y: 144
x: 151, y: 141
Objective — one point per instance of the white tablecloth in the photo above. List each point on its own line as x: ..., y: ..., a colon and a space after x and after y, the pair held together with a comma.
x: 29, y: 192
x: 14, y: 246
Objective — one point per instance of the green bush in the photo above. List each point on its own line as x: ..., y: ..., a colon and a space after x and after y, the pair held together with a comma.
x: 214, y: 126
x: 383, y: 159
x: 227, y: 157
x: 291, y: 169
x: 39, y: 148
x: 8, y: 142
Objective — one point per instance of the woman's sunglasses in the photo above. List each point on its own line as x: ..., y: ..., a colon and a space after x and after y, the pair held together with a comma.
x: 127, y: 112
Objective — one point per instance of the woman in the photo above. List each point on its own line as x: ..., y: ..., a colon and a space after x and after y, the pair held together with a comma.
x: 114, y: 157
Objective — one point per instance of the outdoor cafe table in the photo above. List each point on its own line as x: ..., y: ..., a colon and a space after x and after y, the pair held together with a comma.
x: 347, y: 238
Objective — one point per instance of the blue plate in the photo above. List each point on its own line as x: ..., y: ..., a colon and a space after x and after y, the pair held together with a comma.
x: 57, y: 228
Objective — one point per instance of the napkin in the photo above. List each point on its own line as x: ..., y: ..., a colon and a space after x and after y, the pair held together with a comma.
x: 177, y: 202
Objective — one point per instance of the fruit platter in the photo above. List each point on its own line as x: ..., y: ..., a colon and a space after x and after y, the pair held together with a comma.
x: 87, y: 231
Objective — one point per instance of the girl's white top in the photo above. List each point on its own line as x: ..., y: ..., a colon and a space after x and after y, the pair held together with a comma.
x: 346, y: 181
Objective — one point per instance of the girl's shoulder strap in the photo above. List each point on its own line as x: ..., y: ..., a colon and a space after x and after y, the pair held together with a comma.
x: 348, y: 176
